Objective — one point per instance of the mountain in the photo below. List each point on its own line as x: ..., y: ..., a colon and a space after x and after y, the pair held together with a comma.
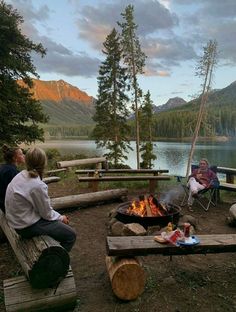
x: 170, y: 104
x: 64, y: 103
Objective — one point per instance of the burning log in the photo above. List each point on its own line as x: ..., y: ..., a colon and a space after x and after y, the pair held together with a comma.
x: 147, y: 206
x: 127, y: 277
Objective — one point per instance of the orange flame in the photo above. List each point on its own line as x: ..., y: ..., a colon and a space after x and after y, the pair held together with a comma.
x: 147, y: 207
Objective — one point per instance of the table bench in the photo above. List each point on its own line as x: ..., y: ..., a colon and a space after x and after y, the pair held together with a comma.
x: 94, y: 181
x: 228, y: 185
x: 91, y: 172
x: 126, y: 272
x: 144, y: 245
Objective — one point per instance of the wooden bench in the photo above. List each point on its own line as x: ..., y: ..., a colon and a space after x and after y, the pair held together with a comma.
x: 144, y: 245
x: 98, y: 161
x: 126, y: 273
x: 228, y: 185
x: 43, y: 260
x: 19, y: 295
x: 91, y: 172
x: 48, y: 180
x: 94, y: 181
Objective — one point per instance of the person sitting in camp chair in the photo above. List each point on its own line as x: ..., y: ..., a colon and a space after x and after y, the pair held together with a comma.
x: 201, y: 178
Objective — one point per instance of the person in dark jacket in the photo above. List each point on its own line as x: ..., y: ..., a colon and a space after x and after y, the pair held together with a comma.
x: 13, y: 157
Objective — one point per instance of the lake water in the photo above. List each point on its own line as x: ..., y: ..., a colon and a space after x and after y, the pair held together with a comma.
x: 170, y: 155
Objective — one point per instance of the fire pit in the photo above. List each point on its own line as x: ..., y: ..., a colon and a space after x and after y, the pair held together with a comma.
x: 148, y: 211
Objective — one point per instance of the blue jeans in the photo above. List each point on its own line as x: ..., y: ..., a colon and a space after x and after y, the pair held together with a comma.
x: 61, y: 232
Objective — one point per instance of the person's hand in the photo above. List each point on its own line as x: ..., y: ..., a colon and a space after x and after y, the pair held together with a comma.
x: 65, y: 219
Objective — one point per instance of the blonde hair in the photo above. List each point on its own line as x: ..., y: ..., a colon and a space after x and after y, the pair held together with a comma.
x: 36, y: 161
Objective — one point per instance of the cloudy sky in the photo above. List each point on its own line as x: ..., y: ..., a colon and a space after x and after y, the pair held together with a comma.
x: 172, y: 34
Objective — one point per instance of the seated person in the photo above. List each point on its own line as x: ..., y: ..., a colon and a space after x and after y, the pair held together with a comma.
x: 201, y: 178
x: 13, y: 157
x: 28, y: 208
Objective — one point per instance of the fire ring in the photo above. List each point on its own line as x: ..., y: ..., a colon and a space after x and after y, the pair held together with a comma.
x: 171, y: 214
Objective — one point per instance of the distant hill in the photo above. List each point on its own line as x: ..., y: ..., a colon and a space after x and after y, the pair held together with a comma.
x: 170, y: 104
x: 219, y: 117
x: 64, y: 103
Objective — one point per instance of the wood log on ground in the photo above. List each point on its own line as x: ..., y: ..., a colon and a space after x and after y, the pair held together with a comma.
x: 48, y: 180
x: 78, y: 162
x: 127, y: 277
x: 43, y: 260
x: 19, y: 296
x: 51, y: 172
x: 88, y: 198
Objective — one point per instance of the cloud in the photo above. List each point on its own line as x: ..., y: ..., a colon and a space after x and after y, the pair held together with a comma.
x: 59, y: 59
x: 68, y: 64
x: 30, y: 12
x: 95, y: 23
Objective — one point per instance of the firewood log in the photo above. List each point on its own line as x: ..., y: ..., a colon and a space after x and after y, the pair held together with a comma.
x: 127, y: 277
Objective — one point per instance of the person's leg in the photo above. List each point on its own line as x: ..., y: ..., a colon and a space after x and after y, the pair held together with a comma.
x: 61, y: 232
x: 194, y: 188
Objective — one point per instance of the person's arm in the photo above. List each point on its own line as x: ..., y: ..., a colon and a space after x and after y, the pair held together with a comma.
x: 41, y: 202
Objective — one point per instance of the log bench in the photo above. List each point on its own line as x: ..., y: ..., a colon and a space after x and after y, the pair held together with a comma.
x: 43, y: 260
x: 91, y: 172
x: 53, y: 179
x: 127, y: 275
x: 94, y: 181
x: 98, y: 161
x: 228, y: 184
x: 19, y: 296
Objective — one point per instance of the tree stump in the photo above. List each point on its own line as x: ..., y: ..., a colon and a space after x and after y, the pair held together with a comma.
x: 44, y: 261
x: 127, y: 277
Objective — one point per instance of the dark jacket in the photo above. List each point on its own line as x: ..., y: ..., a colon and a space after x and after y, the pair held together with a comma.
x: 7, y: 173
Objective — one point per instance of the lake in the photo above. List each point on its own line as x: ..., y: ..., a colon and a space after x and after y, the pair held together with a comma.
x: 170, y: 155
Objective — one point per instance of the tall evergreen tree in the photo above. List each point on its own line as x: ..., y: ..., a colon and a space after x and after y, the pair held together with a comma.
x: 134, y: 59
x: 146, y: 122
x: 20, y: 113
x: 111, y: 130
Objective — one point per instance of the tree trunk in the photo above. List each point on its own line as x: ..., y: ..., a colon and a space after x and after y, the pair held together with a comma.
x: 43, y: 260
x: 87, y: 199
x: 127, y: 277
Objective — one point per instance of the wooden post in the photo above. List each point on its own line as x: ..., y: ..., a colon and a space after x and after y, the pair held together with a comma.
x: 127, y: 277
x: 152, y: 186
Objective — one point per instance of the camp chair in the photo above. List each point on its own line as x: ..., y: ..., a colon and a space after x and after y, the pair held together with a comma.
x: 206, y: 197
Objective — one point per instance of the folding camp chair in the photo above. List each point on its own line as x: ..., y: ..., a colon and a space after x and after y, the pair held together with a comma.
x: 206, y: 197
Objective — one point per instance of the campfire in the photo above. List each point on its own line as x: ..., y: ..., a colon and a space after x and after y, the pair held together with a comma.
x: 147, y: 206
x: 148, y: 211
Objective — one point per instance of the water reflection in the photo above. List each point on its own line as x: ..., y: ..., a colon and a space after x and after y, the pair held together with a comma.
x: 172, y: 156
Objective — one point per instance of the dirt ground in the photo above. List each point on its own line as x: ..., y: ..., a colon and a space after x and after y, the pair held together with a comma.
x: 196, y: 283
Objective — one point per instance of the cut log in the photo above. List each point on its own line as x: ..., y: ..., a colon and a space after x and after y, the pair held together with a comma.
x: 78, y: 162
x: 19, y: 296
x: 51, y: 172
x: 127, y: 277
x: 48, y: 180
x: 87, y: 199
x: 43, y: 260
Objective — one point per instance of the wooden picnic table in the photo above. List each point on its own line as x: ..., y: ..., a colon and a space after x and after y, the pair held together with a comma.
x: 144, y: 245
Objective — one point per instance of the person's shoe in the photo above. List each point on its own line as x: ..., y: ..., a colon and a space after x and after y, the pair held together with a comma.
x: 195, y: 195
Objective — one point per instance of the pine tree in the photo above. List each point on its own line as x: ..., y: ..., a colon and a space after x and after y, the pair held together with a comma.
x: 134, y: 59
x: 111, y: 130
x: 20, y: 113
x: 146, y: 122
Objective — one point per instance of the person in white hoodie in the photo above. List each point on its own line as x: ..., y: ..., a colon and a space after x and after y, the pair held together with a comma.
x: 27, y: 204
